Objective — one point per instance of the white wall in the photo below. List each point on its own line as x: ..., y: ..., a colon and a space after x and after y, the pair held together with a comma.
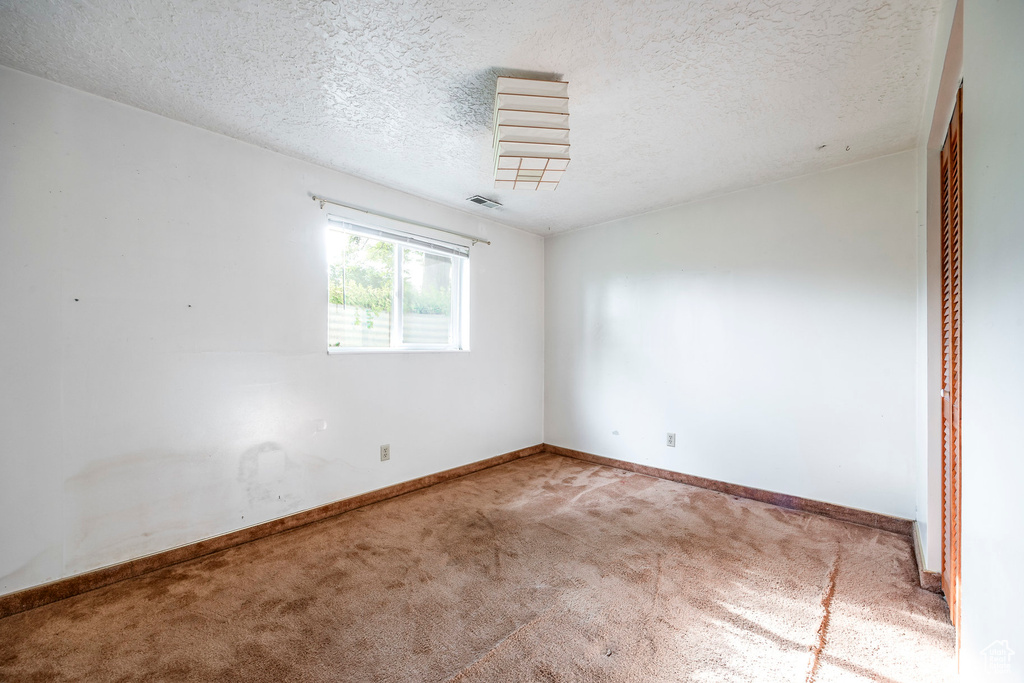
x: 993, y: 335
x: 945, y: 74
x: 773, y: 330
x: 162, y: 344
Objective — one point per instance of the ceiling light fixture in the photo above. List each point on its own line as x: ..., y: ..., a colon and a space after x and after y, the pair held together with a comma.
x: 531, y: 133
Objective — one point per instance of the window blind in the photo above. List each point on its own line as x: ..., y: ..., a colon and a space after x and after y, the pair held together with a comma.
x: 400, y: 237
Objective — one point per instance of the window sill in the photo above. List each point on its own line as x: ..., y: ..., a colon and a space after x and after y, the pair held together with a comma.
x: 388, y: 349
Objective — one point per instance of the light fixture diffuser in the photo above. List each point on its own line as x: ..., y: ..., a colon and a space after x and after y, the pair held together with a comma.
x: 531, y: 133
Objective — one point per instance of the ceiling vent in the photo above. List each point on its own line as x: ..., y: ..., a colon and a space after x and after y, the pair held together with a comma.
x: 484, y: 201
x: 531, y: 133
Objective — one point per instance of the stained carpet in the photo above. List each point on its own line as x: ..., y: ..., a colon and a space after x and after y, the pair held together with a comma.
x: 543, y: 569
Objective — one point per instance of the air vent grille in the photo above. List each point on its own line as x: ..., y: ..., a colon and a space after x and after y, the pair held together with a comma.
x: 484, y: 201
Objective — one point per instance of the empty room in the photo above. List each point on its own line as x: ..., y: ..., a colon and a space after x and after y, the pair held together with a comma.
x: 448, y: 340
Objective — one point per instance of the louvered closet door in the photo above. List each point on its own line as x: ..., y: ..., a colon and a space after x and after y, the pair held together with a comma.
x: 952, y: 211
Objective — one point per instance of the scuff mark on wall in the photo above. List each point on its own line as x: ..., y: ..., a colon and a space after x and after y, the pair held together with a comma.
x: 265, y: 470
x: 46, y: 563
x: 139, y: 502
x: 146, y: 501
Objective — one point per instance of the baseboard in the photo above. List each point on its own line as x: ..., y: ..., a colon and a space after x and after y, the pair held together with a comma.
x: 29, y: 598
x: 896, y: 525
x: 930, y: 581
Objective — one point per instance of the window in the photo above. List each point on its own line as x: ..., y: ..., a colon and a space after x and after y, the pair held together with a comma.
x: 388, y: 289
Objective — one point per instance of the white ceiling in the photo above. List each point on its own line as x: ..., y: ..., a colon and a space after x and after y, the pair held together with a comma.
x: 670, y: 100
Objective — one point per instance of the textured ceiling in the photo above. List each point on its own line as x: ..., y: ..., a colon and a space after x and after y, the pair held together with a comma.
x: 670, y: 100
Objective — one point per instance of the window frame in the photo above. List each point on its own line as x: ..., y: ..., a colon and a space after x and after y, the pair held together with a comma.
x: 459, y: 317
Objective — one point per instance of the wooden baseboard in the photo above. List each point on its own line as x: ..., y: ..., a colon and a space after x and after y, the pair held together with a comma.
x: 930, y: 581
x: 896, y: 525
x: 27, y: 599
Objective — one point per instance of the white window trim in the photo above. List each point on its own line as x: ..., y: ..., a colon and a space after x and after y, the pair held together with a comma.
x: 459, y: 319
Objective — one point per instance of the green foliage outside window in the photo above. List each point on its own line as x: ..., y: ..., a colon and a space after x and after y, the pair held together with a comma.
x: 365, y: 278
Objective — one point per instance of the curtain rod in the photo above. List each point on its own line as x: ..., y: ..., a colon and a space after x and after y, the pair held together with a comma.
x: 474, y: 240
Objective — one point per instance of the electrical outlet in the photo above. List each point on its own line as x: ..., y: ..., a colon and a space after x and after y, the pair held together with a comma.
x: 671, y: 440
x: 385, y: 452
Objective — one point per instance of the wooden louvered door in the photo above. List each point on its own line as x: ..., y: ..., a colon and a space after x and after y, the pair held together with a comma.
x: 952, y: 212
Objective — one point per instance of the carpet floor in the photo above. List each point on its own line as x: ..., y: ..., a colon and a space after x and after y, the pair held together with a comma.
x: 543, y: 569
